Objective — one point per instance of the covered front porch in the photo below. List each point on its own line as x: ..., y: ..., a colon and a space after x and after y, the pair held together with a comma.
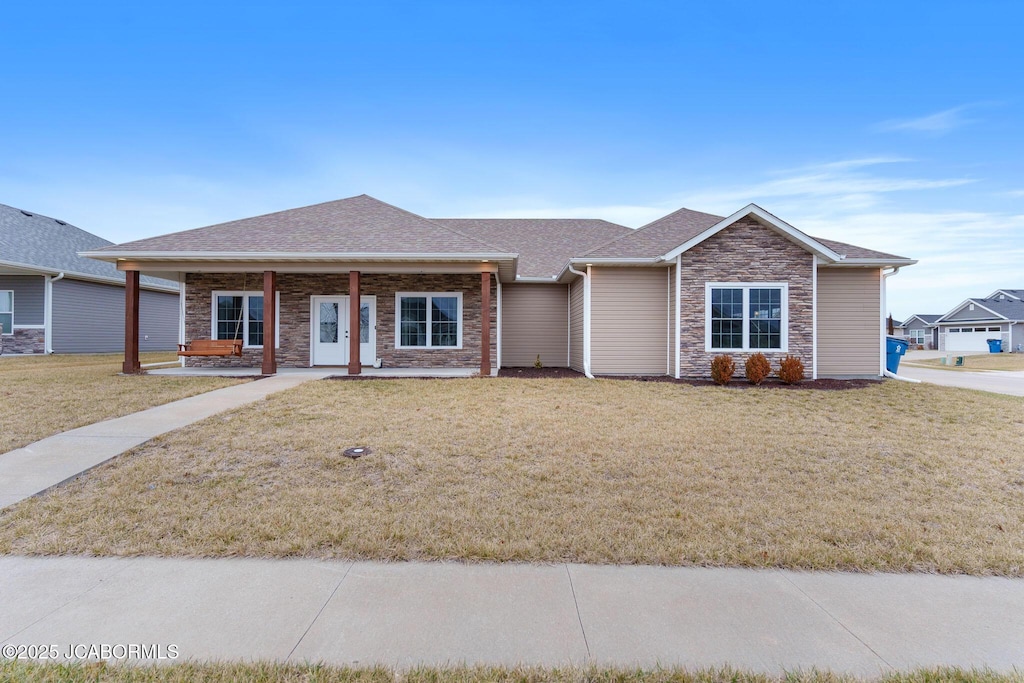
x: 382, y: 373
x: 396, y: 320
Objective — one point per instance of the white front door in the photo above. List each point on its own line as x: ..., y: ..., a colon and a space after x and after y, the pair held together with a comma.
x: 330, y: 330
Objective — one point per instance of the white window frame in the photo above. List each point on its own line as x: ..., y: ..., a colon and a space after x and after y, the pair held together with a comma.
x: 245, y: 316
x: 11, y: 292
x: 429, y: 296
x: 746, y: 287
x: 917, y: 336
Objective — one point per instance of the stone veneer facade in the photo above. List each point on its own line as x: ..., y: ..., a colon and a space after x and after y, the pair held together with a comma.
x: 24, y: 340
x: 745, y: 252
x: 294, y: 315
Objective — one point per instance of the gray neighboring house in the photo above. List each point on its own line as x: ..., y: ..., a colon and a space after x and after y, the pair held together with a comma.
x: 920, y: 330
x: 54, y: 301
x: 969, y: 326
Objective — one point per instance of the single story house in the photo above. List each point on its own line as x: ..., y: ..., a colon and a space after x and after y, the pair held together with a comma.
x: 970, y: 324
x: 920, y: 330
x: 358, y: 281
x: 54, y: 301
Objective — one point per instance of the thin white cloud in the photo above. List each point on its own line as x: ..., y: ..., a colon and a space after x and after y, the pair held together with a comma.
x: 938, y: 123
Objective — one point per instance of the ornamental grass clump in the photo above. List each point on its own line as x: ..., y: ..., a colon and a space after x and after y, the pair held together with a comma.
x: 791, y: 370
x: 722, y: 369
x: 757, y: 368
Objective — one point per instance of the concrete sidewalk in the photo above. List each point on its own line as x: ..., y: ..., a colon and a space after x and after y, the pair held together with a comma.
x: 27, y: 471
x: 406, y: 614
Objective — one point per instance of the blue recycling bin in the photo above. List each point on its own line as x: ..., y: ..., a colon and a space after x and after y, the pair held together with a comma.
x: 995, y: 345
x: 894, y: 348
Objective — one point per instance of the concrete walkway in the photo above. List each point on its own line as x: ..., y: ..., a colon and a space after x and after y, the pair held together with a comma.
x: 27, y: 471
x: 406, y: 614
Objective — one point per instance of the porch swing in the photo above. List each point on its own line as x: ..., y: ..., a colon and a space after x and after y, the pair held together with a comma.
x: 218, y: 347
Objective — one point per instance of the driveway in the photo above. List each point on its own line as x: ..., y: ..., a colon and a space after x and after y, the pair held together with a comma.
x: 1011, y: 383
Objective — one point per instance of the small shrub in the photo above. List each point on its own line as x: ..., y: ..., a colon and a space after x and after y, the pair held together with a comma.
x: 537, y: 364
x: 722, y: 369
x: 791, y: 370
x: 757, y: 368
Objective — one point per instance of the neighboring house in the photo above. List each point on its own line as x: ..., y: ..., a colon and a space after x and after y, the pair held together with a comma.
x: 478, y: 293
x: 898, y: 329
x: 54, y: 301
x: 969, y: 326
x: 920, y: 330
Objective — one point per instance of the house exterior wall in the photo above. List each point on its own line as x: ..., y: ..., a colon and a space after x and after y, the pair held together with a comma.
x: 534, y: 323
x: 628, y: 321
x: 1016, y: 338
x: 849, y: 322
x: 978, y: 313
x: 576, y: 325
x: 29, y: 297
x: 88, y: 317
x: 746, y: 251
x: 294, y: 315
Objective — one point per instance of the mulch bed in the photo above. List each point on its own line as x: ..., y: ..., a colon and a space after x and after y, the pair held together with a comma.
x: 736, y: 383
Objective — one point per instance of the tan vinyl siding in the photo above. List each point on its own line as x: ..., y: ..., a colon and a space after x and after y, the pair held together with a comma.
x: 534, y: 321
x: 849, y: 321
x: 576, y: 325
x: 628, y: 321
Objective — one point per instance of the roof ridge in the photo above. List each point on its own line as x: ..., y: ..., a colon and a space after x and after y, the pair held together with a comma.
x: 652, y: 224
x: 432, y: 222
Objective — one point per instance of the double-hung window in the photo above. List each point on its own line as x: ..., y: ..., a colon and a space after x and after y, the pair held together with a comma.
x: 428, y: 321
x: 239, y: 315
x: 916, y: 336
x: 7, y: 311
x: 746, y: 316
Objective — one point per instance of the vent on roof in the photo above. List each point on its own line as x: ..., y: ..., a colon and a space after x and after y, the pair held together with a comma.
x: 59, y: 221
x: 26, y: 213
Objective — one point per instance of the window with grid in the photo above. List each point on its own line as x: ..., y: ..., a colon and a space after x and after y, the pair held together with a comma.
x: 7, y: 311
x: 239, y: 315
x: 747, y: 316
x: 429, y: 320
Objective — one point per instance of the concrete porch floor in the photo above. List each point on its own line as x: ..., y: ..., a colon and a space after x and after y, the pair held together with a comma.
x: 340, y: 371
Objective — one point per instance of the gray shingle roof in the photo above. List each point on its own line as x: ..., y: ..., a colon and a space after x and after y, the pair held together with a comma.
x: 658, y: 237
x: 679, y: 227
x: 544, y: 245
x: 51, y: 245
x: 357, y: 225
x: 928, y: 318
x: 1009, y: 308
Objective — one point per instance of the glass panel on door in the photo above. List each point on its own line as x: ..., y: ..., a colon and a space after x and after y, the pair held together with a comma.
x: 329, y: 322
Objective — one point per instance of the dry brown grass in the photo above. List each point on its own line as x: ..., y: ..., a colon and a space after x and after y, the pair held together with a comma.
x: 990, y: 361
x: 45, y: 395
x: 258, y: 672
x: 892, y: 477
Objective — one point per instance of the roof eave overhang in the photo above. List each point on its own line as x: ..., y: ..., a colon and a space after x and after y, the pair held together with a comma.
x: 565, y: 273
x: 75, y: 275
x: 263, y: 256
x: 872, y: 263
x: 781, y: 226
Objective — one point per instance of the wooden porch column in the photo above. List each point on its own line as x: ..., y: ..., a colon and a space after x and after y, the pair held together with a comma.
x: 131, y: 364
x: 354, y: 366
x: 269, y: 322
x: 485, y: 324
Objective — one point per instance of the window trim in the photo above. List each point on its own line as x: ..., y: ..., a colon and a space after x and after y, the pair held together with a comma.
x: 245, y: 315
x: 917, y: 336
x: 10, y: 312
x: 429, y: 296
x: 746, y: 287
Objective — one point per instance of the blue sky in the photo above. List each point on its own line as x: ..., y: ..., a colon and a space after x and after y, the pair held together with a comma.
x: 896, y: 126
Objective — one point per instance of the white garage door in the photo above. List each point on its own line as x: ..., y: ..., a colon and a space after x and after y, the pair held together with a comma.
x: 971, y: 338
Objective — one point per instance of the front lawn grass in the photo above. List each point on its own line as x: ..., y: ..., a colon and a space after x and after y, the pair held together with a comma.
x: 892, y: 477
x: 44, y: 395
x: 322, y: 673
x: 989, y: 361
